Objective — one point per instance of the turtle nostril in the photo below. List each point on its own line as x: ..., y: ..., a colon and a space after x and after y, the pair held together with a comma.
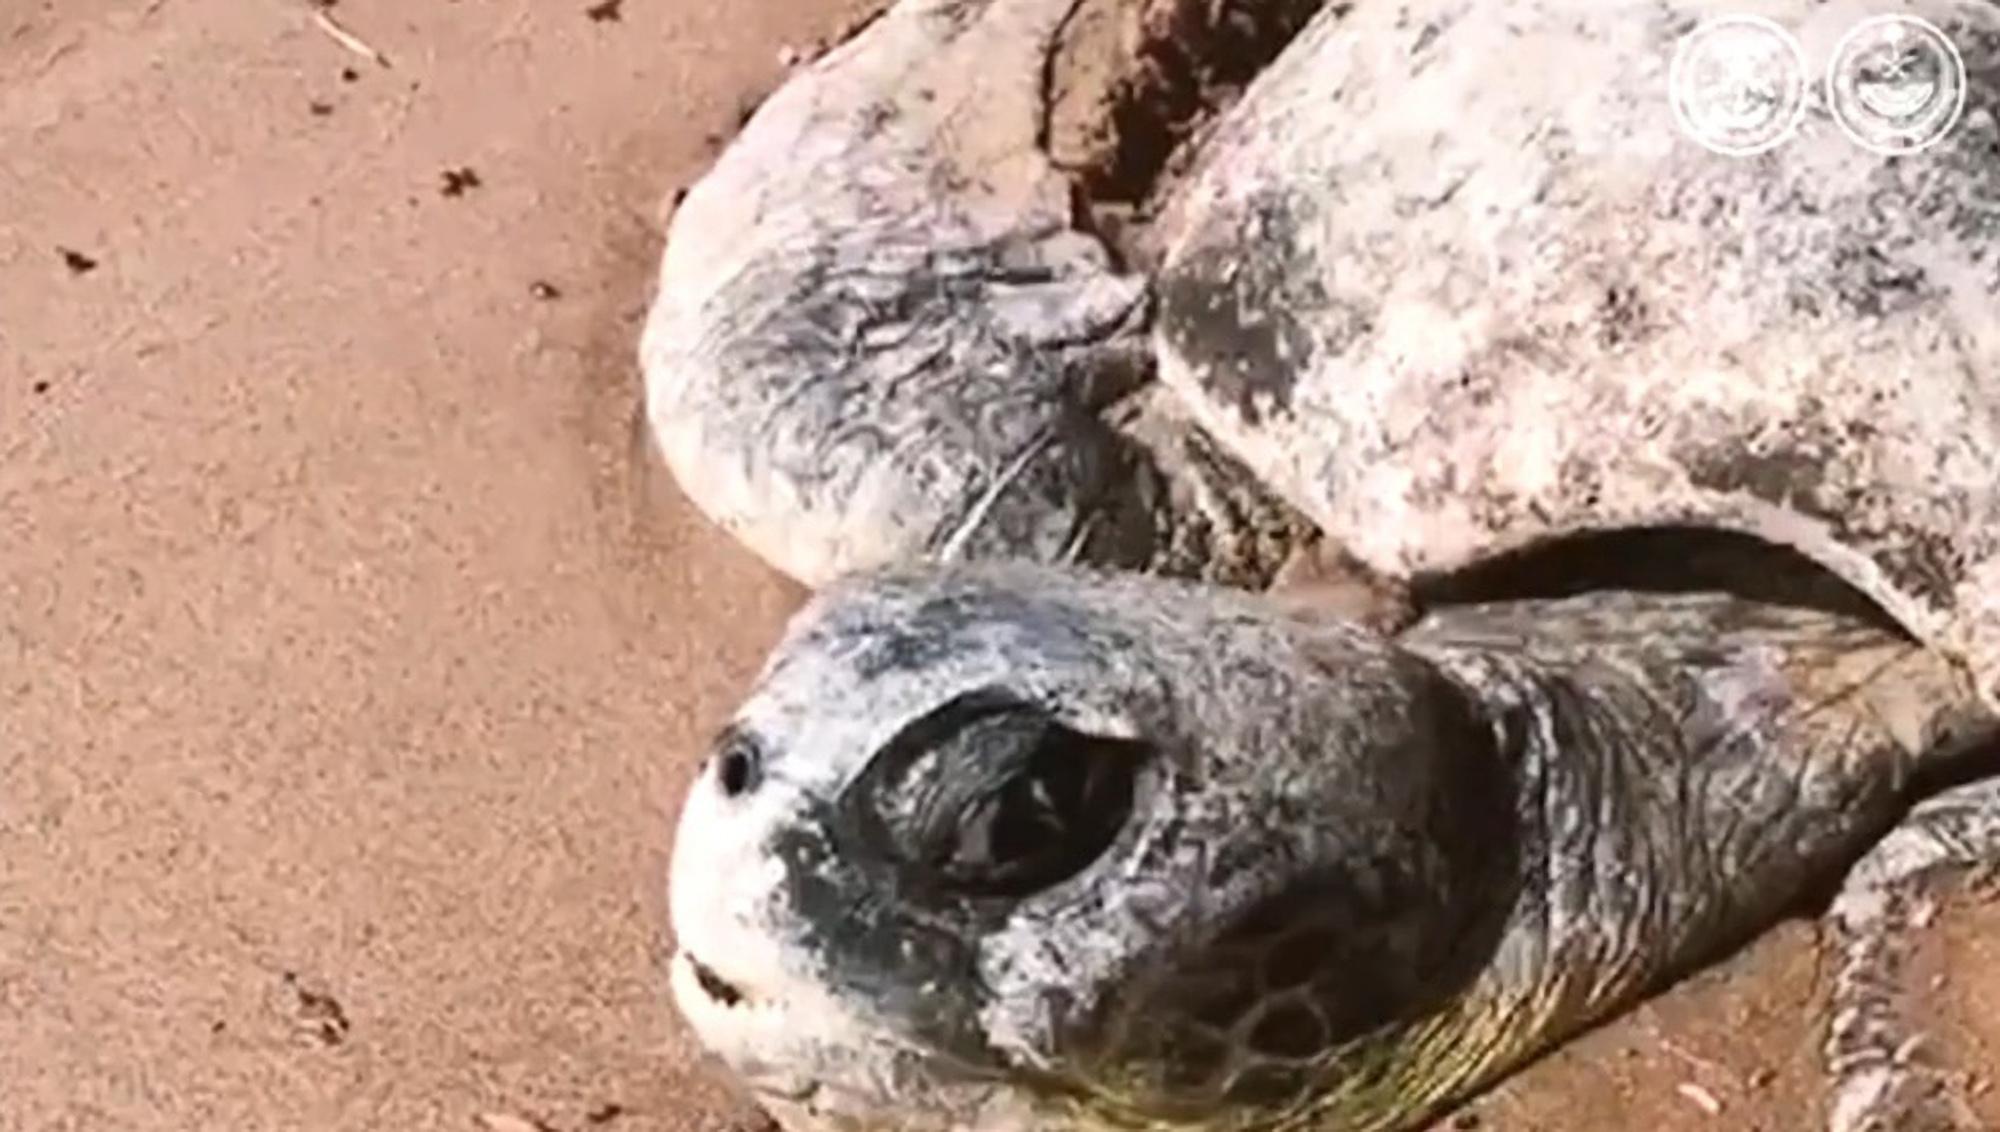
x: 736, y: 773
x: 717, y: 987
x: 737, y: 768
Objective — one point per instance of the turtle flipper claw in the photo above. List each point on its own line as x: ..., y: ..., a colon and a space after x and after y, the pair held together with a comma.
x: 1884, y: 1076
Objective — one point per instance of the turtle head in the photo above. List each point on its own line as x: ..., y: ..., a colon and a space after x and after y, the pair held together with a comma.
x: 1005, y: 847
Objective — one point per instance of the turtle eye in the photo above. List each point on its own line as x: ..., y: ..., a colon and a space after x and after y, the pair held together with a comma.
x: 989, y: 796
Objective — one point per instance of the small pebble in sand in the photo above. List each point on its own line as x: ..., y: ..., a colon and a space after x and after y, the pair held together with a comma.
x: 1699, y: 1097
x: 457, y: 182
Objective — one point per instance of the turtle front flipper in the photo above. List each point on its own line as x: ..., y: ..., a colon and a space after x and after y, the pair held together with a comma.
x: 883, y: 333
x: 1884, y: 1078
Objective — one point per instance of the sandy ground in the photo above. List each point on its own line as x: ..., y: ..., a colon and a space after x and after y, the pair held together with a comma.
x: 349, y: 675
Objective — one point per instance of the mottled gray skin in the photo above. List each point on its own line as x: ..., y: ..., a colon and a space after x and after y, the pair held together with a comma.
x: 1441, y: 285
x: 1359, y: 877
x: 878, y: 339
x: 1450, y: 280
x: 1446, y: 279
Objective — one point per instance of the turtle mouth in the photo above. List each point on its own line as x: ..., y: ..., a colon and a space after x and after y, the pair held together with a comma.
x: 707, y: 994
x: 719, y: 990
x: 744, y: 1028
x: 753, y: 1034
x: 721, y: 1009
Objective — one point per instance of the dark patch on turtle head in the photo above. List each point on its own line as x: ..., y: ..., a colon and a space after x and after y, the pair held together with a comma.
x: 968, y: 811
x: 1285, y: 994
x: 924, y: 634
x: 874, y: 950
x: 1250, y: 311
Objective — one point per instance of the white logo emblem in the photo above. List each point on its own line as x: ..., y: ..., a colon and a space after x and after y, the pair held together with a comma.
x: 1738, y: 85
x: 1896, y: 84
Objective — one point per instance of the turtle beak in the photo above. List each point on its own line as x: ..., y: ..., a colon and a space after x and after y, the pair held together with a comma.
x: 719, y: 990
x: 721, y: 895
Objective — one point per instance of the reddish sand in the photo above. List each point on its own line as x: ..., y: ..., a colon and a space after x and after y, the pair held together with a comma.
x: 349, y: 673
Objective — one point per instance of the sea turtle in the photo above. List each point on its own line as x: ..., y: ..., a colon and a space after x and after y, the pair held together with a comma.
x: 1040, y: 335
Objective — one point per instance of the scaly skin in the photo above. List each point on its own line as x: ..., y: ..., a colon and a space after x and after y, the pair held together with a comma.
x: 886, y: 239
x: 1432, y: 300
x: 1450, y: 280
x: 1444, y: 283
x: 1463, y: 845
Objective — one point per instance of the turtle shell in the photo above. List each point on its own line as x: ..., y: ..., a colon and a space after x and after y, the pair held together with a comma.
x: 1452, y: 302
x: 1448, y: 280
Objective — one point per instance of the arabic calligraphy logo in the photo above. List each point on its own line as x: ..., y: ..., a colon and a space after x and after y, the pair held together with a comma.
x: 1738, y: 85
x: 1896, y: 84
